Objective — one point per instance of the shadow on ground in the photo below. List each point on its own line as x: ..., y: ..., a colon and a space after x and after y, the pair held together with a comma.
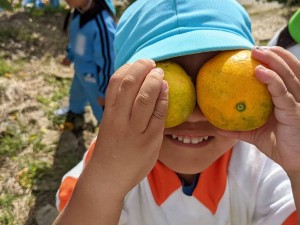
x: 69, y: 152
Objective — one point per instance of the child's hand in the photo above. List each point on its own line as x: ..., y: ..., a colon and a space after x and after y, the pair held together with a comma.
x: 279, y: 139
x: 101, y: 101
x: 131, y: 130
x: 66, y: 62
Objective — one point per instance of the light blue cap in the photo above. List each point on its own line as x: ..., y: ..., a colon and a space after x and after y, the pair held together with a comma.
x: 111, y: 6
x: 161, y: 29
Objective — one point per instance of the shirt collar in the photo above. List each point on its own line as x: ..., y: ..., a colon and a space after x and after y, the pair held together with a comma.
x: 209, y: 190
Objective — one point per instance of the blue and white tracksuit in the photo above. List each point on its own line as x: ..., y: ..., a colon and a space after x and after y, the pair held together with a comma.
x: 41, y: 4
x: 91, y: 49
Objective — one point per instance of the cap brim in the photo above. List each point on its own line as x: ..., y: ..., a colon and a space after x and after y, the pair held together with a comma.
x: 192, y: 42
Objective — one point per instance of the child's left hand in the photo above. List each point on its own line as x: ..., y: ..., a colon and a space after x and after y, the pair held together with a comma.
x: 101, y: 101
x: 279, y: 138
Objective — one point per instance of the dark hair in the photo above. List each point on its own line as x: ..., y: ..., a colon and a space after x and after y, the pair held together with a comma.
x: 285, y: 40
x: 100, y: 4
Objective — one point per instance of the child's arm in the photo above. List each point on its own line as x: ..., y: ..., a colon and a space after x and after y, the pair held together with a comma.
x: 127, y: 147
x: 279, y: 139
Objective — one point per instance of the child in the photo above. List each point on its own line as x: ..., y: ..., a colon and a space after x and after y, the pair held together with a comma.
x: 140, y: 173
x: 92, y: 32
x: 40, y: 3
x: 288, y: 37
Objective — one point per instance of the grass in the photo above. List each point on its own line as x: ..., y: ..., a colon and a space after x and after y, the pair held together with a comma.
x: 12, y: 142
x: 6, y: 68
x: 6, y: 205
x: 60, y: 85
x: 32, y: 172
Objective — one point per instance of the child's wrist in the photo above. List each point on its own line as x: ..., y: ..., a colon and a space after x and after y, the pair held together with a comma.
x: 104, y: 181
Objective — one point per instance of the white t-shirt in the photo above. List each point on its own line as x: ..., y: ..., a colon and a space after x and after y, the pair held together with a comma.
x: 242, y: 187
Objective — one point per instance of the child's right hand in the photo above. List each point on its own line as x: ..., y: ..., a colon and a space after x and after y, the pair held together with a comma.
x: 66, y: 62
x: 131, y: 130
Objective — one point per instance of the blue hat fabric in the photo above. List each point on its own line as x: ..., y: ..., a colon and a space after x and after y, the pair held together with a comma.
x: 111, y: 6
x: 162, y: 29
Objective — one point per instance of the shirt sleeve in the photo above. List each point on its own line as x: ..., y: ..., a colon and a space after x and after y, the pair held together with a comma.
x: 69, y: 180
x: 103, y: 49
x: 275, y: 203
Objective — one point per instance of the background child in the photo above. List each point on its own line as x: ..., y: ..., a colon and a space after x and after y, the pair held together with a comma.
x: 40, y: 3
x: 92, y: 32
x: 288, y: 37
x: 138, y: 172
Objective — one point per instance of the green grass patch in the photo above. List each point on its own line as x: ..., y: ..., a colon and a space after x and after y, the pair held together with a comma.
x: 12, y: 142
x: 62, y: 88
x: 6, y: 200
x: 6, y: 205
x: 56, y: 120
x: 36, y: 141
x: 61, y: 85
x: 5, y: 67
x: 32, y: 173
x: 43, y: 100
x: 19, y: 136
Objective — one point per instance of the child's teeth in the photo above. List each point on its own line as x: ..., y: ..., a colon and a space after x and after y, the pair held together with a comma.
x: 174, y: 136
x: 187, y: 140
x: 195, y: 140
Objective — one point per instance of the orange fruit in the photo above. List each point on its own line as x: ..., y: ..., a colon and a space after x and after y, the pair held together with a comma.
x: 182, y: 93
x: 229, y: 94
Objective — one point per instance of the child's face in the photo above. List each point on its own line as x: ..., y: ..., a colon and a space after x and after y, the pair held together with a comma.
x: 77, y: 3
x: 193, y: 158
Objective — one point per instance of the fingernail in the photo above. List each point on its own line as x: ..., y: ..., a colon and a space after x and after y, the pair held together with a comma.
x: 261, y: 67
x: 152, y: 61
x: 262, y: 48
x: 159, y: 71
x: 164, y: 86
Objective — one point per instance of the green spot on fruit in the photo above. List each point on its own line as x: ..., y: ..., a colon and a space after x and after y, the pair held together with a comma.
x: 240, y: 106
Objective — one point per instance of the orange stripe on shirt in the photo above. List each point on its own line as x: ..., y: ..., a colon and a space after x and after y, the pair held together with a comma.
x: 292, y: 219
x: 90, y: 151
x: 212, y: 183
x: 163, y: 182
x: 65, y: 191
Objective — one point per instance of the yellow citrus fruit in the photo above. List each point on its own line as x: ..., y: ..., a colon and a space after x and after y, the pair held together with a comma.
x: 182, y: 93
x: 229, y: 94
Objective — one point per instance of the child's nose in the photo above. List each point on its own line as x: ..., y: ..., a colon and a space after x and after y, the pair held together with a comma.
x: 196, y: 115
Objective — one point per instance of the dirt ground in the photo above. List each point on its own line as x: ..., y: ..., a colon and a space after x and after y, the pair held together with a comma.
x: 36, y: 151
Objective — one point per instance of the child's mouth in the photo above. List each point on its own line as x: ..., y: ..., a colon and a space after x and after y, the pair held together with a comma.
x: 190, y: 140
